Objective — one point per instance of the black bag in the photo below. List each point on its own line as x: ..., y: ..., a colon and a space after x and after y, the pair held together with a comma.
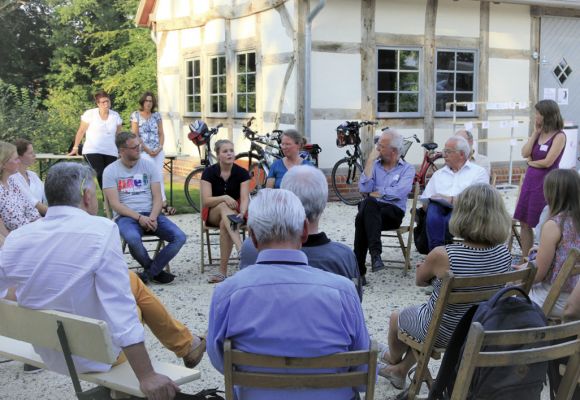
x: 420, y: 232
x: 497, y: 383
x: 206, y: 394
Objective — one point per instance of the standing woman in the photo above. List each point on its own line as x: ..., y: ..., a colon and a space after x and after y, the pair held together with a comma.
x: 29, y: 182
x: 543, y: 151
x: 100, y: 125
x: 147, y: 125
x: 225, y: 190
x: 16, y: 208
x: 291, y: 144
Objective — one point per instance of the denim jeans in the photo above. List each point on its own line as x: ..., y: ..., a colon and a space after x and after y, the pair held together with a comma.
x: 132, y: 232
x: 438, y: 217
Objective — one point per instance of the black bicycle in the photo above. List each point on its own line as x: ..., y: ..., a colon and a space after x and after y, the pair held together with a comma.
x: 201, y: 136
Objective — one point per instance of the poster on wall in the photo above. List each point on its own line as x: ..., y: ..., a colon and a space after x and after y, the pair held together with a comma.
x: 550, y: 94
x: 563, y: 96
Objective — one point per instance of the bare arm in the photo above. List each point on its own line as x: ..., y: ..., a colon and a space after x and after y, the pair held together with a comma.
x: 211, y: 201
x: 572, y: 308
x: 153, y: 385
x: 557, y: 146
x: 121, y: 209
x: 42, y: 208
x: 527, y: 148
x: 549, y: 239
x: 78, y: 138
x: 270, y: 182
x: 244, y: 197
x: 435, y: 265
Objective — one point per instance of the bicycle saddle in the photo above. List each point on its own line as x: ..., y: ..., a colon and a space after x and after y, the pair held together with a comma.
x: 430, y: 146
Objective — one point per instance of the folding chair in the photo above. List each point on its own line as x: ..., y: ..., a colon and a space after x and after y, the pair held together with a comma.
x: 454, y: 290
x: 207, y: 232
x: 399, y: 232
x: 477, y: 355
x: 570, y: 268
x: 315, y: 380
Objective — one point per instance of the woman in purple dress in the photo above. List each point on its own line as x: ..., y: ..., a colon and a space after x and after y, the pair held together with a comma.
x: 543, y: 151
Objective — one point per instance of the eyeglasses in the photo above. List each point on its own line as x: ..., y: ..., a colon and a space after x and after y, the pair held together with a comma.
x: 82, y: 186
x: 449, y: 151
x: 104, y: 101
x: 137, y: 146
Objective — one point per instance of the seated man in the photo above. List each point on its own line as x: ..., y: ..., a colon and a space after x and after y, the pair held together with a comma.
x: 90, y: 279
x: 445, y: 184
x: 310, y: 185
x: 388, y: 180
x: 132, y: 186
x: 282, y: 306
x: 474, y: 157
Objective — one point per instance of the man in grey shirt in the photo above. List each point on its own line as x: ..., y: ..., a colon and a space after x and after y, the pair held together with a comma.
x: 132, y: 187
x: 310, y: 186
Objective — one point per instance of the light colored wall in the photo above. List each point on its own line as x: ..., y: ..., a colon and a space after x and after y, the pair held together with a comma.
x: 400, y: 16
x: 336, y: 80
x: 457, y: 18
x: 243, y: 28
x: 339, y: 21
x: 509, y: 27
x: 274, y: 37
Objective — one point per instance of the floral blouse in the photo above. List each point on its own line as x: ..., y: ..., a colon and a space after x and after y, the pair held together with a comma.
x: 16, y: 209
x: 148, y: 128
x: 570, y: 239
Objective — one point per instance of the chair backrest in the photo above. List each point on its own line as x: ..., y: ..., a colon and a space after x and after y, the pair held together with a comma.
x: 87, y: 337
x: 234, y: 358
x: 451, y: 293
x: 475, y: 354
x: 416, y: 192
x: 570, y: 268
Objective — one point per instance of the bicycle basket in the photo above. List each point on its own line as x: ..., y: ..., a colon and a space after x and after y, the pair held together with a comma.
x: 406, y: 145
x: 346, y: 137
x: 199, y: 133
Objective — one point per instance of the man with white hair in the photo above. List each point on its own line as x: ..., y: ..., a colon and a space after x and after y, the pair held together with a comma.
x: 311, y: 187
x: 387, y: 180
x: 474, y: 156
x: 445, y: 184
x: 282, y: 306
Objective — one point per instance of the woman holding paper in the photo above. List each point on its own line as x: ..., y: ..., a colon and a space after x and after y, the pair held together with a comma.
x: 543, y: 151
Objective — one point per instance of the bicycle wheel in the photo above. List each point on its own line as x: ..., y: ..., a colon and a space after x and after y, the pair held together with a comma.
x: 257, y: 170
x: 192, y: 188
x: 345, y: 176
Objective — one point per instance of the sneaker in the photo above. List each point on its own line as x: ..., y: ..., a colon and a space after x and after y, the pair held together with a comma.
x: 377, y: 263
x: 31, y: 369
x: 164, y: 278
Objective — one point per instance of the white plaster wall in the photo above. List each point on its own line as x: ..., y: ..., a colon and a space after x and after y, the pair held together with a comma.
x: 339, y: 21
x: 274, y: 37
x: 243, y: 28
x: 509, y: 26
x: 508, y: 80
x: 336, y: 80
x: 215, y: 31
x: 163, y: 10
x: 181, y: 8
x: 457, y: 18
x: 170, y: 98
x: 400, y: 16
x: 272, y: 82
x: 324, y: 134
x: 200, y: 6
x: 499, y: 149
x: 169, y: 55
x: 190, y: 38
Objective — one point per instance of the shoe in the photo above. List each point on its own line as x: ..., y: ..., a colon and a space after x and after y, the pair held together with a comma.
x: 216, y: 278
x: 397, y: 381
x: 195, y: 354
x: 31, y: 369
x: 363, y: 280
x: 377, y: 263
x: 143, y: 276
x: 164, y: 278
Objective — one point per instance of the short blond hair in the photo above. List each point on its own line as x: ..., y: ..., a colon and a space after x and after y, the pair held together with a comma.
x: 479, y: 216
x: 7, y: 150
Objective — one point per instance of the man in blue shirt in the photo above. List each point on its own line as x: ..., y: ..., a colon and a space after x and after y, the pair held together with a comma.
x: 387, y: 180
x: 281, y: 306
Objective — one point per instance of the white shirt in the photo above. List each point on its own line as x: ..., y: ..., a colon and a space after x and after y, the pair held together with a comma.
x: 449, y: 183
x: 36, y: 188
x: 482, y: 161
x: 71, y: 261
x: 100, y: 135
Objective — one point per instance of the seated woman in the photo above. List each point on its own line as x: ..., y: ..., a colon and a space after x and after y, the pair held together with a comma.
x: 16, y: 208
x: 225, y: 190
x: 291, y: 143
x: 29, y: 182
x: 559, y: 234
x: 480, y: 218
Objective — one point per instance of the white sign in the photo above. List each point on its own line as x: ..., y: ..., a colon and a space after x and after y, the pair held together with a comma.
x: 550, y: 94
x: 563, y: 96
x: 468, y: 126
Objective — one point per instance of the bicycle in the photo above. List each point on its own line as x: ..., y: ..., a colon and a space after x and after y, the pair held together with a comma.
x: 344, y: 173
x: 200, y: 135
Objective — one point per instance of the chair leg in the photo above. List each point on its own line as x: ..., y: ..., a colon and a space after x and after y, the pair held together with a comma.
x: 421, y: 374
x: 208, y: 245
x: 202, y: 250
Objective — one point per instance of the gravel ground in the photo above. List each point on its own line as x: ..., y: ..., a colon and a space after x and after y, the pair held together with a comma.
x: 189, y: 296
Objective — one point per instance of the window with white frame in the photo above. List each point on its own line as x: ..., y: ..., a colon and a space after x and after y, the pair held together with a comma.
x: 455, y: 80
x: 217, y: 85
x: 246, y: 83
x: 193, y: 86
x: 398, y: 82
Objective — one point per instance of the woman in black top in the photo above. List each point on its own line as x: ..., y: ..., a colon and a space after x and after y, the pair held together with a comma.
x: 225, y: 190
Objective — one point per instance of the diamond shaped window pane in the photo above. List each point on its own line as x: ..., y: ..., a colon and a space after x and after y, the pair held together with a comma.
x: 568, y: 71
x: 562, y: 79
x: 562, y: 71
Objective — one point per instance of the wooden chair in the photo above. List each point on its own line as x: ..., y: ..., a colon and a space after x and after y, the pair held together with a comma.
x: 451, y: 293
x: 404, y: 229
x: 570, y: 268
x: 207, y: 232
x: 516, y: 224
x: 276, y: 380
x: 475, y: 354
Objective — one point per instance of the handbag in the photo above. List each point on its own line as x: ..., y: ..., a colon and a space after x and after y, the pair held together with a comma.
x: 206, y: 394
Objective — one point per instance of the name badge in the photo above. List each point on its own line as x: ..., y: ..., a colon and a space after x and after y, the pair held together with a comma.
x: 544, y: 147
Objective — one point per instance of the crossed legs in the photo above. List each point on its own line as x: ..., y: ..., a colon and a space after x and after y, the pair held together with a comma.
x: 400, y: 357
x: 218, y: 216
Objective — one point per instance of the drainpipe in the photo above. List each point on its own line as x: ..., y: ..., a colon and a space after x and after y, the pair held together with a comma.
x: 307, y: 72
